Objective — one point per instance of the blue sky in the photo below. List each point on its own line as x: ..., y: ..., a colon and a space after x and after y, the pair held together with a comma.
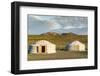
x: 38, y: 24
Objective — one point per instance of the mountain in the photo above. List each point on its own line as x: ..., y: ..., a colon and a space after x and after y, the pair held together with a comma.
x: 50, y: 33
x: 70, y: 33
x: 55, y: 33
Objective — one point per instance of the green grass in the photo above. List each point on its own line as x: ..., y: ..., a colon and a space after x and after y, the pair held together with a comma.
x: 58, y: 55
x: 60, y: 41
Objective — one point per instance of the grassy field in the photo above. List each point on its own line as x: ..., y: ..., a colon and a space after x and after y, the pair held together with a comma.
x: 61, y: 41
x: 58, y: 55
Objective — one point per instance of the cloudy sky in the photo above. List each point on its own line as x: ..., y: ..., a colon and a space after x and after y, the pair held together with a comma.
x: 38, y: 24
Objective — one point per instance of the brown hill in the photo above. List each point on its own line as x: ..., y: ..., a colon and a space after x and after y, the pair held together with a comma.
x: 70, y: 33
x: 50, y: 33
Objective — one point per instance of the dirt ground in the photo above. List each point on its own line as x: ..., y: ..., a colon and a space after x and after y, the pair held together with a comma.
x: 58, y: 55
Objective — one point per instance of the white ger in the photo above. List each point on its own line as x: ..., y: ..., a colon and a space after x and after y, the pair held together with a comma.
x: 76, y: 46
x: 43, y: 47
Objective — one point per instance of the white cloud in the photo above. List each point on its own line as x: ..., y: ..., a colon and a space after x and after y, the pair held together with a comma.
x: 68, y: 27
x: 81, y: 26
x: 72, y: 27
x: 53, y: 25
x: 42, y: 18
x: 35, y: 17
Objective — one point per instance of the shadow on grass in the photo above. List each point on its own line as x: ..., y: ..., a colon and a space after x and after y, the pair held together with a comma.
x: 62, y: 49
